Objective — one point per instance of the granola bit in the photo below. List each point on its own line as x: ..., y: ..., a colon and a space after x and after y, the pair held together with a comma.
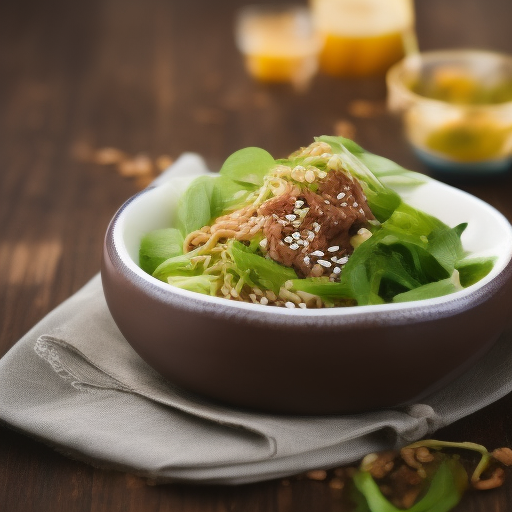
x: 503, y: 455
x: 409, y: 456
x: 379, y: 464
x: 336, y: 483
x: 366, y: 109
x: 317, y: 474
x: 495, y: 480
x: 108, y: 156
x: 423, y: 454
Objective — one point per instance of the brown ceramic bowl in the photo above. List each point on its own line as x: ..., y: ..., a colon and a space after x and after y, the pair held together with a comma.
x: 295, y: 361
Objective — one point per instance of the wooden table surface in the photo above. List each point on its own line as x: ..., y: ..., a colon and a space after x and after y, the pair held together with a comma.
x: 162, y: 77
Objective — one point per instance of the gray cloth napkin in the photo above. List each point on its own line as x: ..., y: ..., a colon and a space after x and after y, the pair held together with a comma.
x: 74, y: 382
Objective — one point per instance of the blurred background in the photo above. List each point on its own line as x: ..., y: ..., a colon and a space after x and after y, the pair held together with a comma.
x: 165, y: 76
x: 97, y: 97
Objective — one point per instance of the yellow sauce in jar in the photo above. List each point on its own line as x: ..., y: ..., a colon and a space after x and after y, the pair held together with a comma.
x: 477, y: 135
x: 469, y: 140
x: 279, y: 44
x: 362, y: 37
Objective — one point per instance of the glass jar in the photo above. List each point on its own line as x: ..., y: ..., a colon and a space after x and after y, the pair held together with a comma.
x: 363, y: 37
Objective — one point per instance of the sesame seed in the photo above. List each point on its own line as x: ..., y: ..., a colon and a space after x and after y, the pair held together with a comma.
x: 334, y: 259
x: 322, y: 174
x: 290, y: 217
x: 289, y: 305
x: 355, y: 205
x: 324, y: 263
x: 296, y: 223
x: 317, y: 253
x: 302, y: 305
x: 299, y: 203
x: 334, y: 248
x: 309, y: 176
x: 343, y: 204
x: 263, y: 243
x: 288, y: 239
x: 316, y: 228
x: 305, y: 243
x: 343, y: 260
x: 307, y: 261
x: 294, y: 246
x: 336, y: 270
x: 296, y: 235
x: 300, y: 241
x: 341, y: 195
x: 346, y: 188
x: 264, y: 301
x: 361, y: 211
x: 327, y: 202
x: 252, y: 296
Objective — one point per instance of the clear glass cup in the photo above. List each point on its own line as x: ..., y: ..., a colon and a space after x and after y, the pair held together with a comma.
x: 456, y: 107
x: 279, y: 43
x: 363, y: 37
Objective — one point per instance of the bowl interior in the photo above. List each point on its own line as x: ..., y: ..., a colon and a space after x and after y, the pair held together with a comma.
x: 488, y: 233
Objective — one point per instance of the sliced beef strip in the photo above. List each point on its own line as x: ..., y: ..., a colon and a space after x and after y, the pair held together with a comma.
x: 324, y: 222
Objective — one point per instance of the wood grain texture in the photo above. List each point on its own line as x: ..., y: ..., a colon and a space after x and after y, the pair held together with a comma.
x: 164, y: 77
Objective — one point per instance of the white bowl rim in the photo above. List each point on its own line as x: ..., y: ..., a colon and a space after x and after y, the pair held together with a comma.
x: 383, y: 313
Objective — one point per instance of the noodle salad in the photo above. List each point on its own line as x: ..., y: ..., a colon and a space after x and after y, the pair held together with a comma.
x: 317, y: 229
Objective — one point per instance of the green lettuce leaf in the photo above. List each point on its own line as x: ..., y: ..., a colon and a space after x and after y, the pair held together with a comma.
x: 158, y: 246
x: 248, y: 165
x: 429, y: 291
x: 322, y: 287
x: 181, y: 265
x: 262, y: 271
x: 195, y: 206
x: 471, y: 270
x: 205, y: 284
x: 444, y: 492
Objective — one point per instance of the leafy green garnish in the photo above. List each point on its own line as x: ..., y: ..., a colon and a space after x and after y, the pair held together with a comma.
x: 264, y: 272
x: 322, y: 287
x: 204, y: 284
x: 195, y: 206
x: 471, y: 270
x: 248, y: 165
x: 158, y: 246
x: 445, y: 490
x: 428, y: 291
x: 182, y: 265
